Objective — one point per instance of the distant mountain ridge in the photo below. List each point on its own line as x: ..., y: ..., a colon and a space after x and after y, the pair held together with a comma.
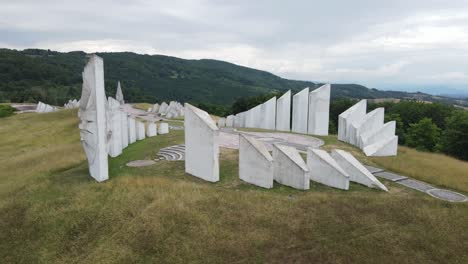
x: 53, y: 77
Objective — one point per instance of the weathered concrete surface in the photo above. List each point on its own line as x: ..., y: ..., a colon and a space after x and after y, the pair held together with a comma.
x: 319, y: 110
x: 201, y: 144
x: 325, y: 170
x: 140, y: 163
x: 151, y: 129
x: 283, y: 112
x: 114, y: 121
x: 140, y: 130
x: 356, y: 171
x: 349, y: 117
x: 269, y: 114
x: 131, y: 130
x: 163, y: 128
x: 300, y: 111
x: 221, y: 122
x: 385, y: 132
x: 93, y: 125
x: 255, y: 162
x: 289, y: 168
x: 384, y: 148
x: 124, y: 126
x: 119, y: 95
x: 230, y: 121
x: 373, y: 120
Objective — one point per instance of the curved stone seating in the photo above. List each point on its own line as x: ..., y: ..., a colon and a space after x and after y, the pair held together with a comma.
x: 383, y: 148
x: 346, y: 119
x: 173, y: 153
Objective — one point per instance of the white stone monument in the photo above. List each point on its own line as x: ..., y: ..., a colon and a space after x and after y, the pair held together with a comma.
x: 230, y: 121
x: 119, y: 95
x: 289, y: 167
x: 372, y: 122
x: 283, y: 112
x: 372, y: 137
x: 319, y: 110
x: 92, y: 113
x: 124, y: 125
x: 221, y: 122
x: 384, y: 148
x: 325, y: 170
x: 255, y: 162
x: 163, y: 107
x: 269, y: 114
x: 201, y: 144
x: 140, y: 130
x: 151, y: 130
x: 131, y: 130
x: 300, y: 111
x: 114, y: 121
x: 163, y: 128
x: 349, y: 117
x: 356, y: 171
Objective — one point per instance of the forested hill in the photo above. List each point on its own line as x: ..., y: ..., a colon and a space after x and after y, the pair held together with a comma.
x: 42, y: 75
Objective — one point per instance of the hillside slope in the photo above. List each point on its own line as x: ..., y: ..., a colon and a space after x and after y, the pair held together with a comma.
x: 53, y: 77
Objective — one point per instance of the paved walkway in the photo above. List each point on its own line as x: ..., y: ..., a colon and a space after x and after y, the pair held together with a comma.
x: 435, y: 192
x: 152, y: 117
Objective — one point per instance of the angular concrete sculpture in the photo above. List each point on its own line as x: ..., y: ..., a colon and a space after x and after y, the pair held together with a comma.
x: 283, y: 112
x: 119, y: 95
x: 131, y: 130
x: 230, y: 121
x: 201, y: 144
x: 269, y: 114
x: 221, y: 122
x: 356, y: 171
x: 289, y: 167
x: 163, y: 128
x: 114, y: 121
x: 325, y: 170
x: 124, y: 125
x: 155, y: 108
x: 372, y: 137
x: 300, y: 111
x: 151, y: 129
x: 163, y: 107
x: 384, y: 148
x: 349, y: 117
x: 92, y: 113
x: 372, y: 122
x: 140, y: 130
x: 255, y: 162
x: 319, y: 111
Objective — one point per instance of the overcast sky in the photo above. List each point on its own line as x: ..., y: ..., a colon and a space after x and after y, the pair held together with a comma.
x: 378, y: 43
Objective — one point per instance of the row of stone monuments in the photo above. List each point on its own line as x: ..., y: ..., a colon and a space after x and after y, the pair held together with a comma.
x: 45, y: 108
x: 172, y: 110
x: 368, y: 131
x: 106, y: 129
x: 257, y: 166
x: 310, y: 113
x: 72, y: 104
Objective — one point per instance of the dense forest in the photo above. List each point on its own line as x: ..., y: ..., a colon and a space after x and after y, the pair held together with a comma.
x: 34, y: 75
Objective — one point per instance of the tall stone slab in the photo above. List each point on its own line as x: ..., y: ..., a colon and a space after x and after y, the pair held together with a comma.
x: 230, y: 121
x: 255, y: 162
x: 289, y: 167
x: 356, y: 171
x: 155, y: 108
x: 269, y: 114
x: 119, y: 95
x: 140, y: 130
x: 325, y: 170
x: 131, y: 130
x: 372, y: 122
x: 371, y: 137
x: 349, y: 117
x: 163, y: 107
x: 151, y: 129
x: 300, y: 111
x: 124, y: 125
x: 283, y: 112
x: 221, y: 122
x: 319, y: 110
x: 92, y: 113
x: 114, y: 122
x: 163, y: 128
x: 384, y: 148
x: 201, y: 144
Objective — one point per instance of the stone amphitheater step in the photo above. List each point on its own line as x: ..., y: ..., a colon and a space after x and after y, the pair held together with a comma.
x: 176, y: 152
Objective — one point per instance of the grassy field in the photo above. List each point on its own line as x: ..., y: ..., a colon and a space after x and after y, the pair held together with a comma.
x: 51, y: 211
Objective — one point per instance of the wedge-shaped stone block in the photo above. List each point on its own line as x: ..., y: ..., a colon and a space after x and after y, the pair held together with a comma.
x: 289, y: 168
x: 230, y: 121
x: 255, y: 162
x: 372, y: 121
x: 283, y: 112
x: 349, y: 117
x: 124, y: 125
x: 163, y: 128
x: 325, y: 170
x: 319, y: 110
x: 201, y: 144
x: 269, y: 114
x: 131, y: 130
x: 151, y: 129
x: 372, y: 137
x: 222, y: 122
x: 140, y: 130
x: 384, y: 148
x: 93, y: 123
x: 300, y: 111
x: 356, y: 171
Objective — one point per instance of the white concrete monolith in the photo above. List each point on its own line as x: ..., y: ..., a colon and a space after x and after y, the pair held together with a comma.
x: 151, y: 129
x: 319, y: 110
x: 269, y: 114
x: 163, y: 128
x: 92, y: 113
x: 356, y: 171
x: 300, y: 111
x: 289, y: 167
x: 201, y: 144
x: 114, y: 121
x: 230, y: 121
x: 383, y: 148
x: 325, y: 170
x: 283, y: 112
x: 131, y: 130
x: 349, y: 117
x: 255, y: 162
x: 119, y: 95
x: 140, y: 130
